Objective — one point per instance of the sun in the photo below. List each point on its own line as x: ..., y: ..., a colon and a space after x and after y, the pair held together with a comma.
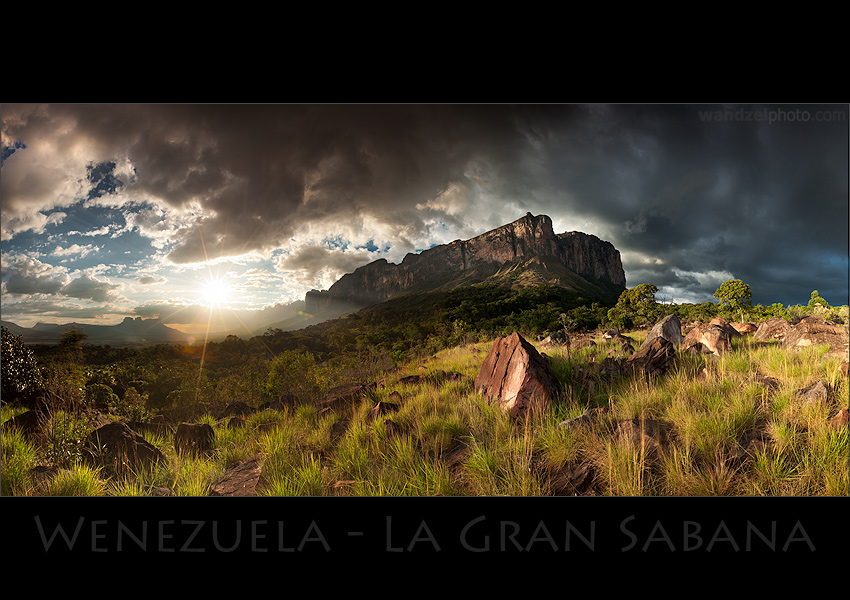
x: 214, y: 292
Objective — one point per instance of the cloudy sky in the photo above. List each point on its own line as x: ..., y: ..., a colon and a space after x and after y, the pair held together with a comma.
x: 111, y: 211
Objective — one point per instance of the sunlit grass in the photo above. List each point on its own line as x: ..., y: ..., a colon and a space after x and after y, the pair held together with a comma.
x: 406, y: 452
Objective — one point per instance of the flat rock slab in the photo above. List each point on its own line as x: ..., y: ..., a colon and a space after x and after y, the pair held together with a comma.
x: 244, y: 479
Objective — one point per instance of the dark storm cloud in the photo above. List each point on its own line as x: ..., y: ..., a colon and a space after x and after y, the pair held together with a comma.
x: 687, y: 200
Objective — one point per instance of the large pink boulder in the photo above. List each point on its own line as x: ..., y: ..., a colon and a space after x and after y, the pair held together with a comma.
x: 516, y: 376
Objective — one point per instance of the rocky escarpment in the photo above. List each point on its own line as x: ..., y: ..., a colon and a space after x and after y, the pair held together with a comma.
x: 464, y: 262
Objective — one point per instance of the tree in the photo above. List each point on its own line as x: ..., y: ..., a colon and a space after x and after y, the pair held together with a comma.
x: 735, y: 294
x: 635, y: 304
x: 816, y: 300
x: 22, y: 379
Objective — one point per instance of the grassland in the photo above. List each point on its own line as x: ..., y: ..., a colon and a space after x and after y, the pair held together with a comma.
x: 734, y: 426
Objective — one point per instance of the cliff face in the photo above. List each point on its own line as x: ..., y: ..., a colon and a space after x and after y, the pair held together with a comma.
x: 464, y: 262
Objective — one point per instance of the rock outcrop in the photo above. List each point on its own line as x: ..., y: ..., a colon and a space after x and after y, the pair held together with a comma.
x: 464, y: 262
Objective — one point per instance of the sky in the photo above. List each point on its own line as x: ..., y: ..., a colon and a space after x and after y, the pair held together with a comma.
x: 173, y: 211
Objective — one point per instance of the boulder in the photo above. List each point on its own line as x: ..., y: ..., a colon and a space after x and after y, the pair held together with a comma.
x: 345, y: 395
x: 28, y: 423
x: 670, y: 328
x: 284, y: 401
x: 837, y: 351
x: 559, y: 338
x: 774, y: 328
x: 650, y: 434
x: 725, y: 326
x: 237, y: 422
x: 516, y: 376
x: 115, y: 445
x: 626, y: 343
x: 812, y: 332
x: 745, y: 328
x: 194, y: 438
x: 841, y: 419
x: 382, y: 408
x: 817, y: 393
x: 707, y: 338
x: 243, y: 479
x: 579, y: 343
x: 653, y: 359
x: 235, y: 409
x: 573, y: 479
x: 155, y: 427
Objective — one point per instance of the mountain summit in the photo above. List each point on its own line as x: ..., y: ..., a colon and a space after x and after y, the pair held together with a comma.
x: 525, y: 252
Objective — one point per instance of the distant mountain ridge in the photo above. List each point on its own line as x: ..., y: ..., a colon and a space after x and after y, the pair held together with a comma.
x: 129, y: 331
x: 573, y: 260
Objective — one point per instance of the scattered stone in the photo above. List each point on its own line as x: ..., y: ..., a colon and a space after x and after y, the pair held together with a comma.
x: 651, y: 434
x: 813, y: 331
x: 345, y: 395
x: 669, y: 328
x: 338, y: 429
x: 41, y: 476
x: 157, y: 490
x: 610, y: 334
x: 626, y: 343
x: 157, y: 427
x: 749, y: 444
x: 745, y: 328
x: 28, y: 423
x: 841, y: 419
x: 573, y: 479
x: 586, y: 418
x: 380, y: 409
x: 579, y: 343
x: 516, y: 376
x: 769, y: 382
x: 115, y: 445
x: 582, y: 419
x: 837, y: 351
x: 240, y: 409
x: 455, y: 455
x: 707, y: 338
x: 775, y: 328
x: 725, y: 326
x: 244, y: 479
x: 237, y: 422
x: 653, y: 359
x: 281, y: 403
x: 194, y: 439
x: 817, y: 393
x: 559, y: 338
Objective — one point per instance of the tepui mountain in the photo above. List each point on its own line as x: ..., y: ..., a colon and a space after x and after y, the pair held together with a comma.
x: 523, y: 253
